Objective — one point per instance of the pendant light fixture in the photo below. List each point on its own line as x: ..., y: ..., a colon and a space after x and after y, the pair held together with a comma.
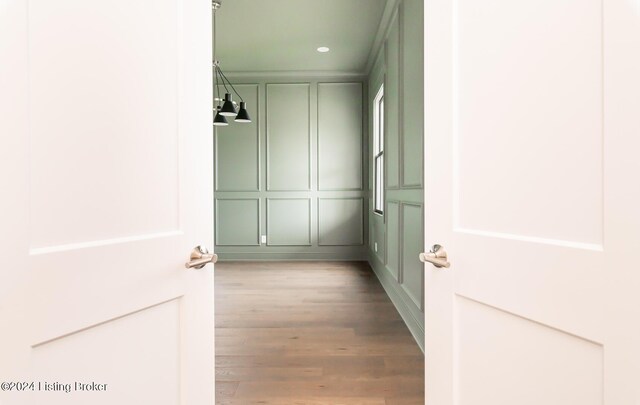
x: 220, y: 120
x: 243, y: 115
x: 228, y: 107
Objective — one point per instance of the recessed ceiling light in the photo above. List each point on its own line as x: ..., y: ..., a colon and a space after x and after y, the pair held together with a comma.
x: 323, y: 49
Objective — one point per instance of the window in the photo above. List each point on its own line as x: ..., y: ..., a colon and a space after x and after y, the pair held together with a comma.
x: 378, y: 151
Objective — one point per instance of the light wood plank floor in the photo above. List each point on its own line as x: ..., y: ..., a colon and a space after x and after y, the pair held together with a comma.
x: 311, y: 333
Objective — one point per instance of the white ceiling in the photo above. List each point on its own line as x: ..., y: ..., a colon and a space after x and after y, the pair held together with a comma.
x: 282, y: 35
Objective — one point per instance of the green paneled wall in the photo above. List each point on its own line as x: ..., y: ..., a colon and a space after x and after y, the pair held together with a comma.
x: 288, y: 137
x: 392, y: 106
x: 399, y: 233
x: 237, y: 221
x: 296, y: 174
x: 337, y: 127
x: 412, y: 269
x: 340, y: 221
x: 412, y: 94
x: 241, y: 150
x: 391, y: 239
x: 289, y: 221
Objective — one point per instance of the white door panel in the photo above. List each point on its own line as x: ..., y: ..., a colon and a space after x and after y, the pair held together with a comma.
x: 531, y: 113
x: 536, y: 70
x: 515, y: 276
x: 106, y: 143
x: 118, y: 352
x: 533, y: 363
x: 125, y: 54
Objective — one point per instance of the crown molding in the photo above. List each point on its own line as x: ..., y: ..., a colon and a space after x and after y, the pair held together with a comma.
x: 390, y: 12
x: 287, y: 74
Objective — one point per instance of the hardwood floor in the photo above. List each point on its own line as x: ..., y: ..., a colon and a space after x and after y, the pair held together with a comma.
x: 311, y: 333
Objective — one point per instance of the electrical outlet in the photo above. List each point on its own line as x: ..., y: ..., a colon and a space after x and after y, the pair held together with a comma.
x: 263, y: 239
x: 375, y: 246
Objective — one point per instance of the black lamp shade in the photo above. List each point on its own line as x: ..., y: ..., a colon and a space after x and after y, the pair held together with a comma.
x: 220, y: 120
x: 228, y: 110
x: 243, y: 115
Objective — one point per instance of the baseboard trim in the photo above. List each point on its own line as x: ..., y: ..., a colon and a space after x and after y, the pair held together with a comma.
x: 415, y: 327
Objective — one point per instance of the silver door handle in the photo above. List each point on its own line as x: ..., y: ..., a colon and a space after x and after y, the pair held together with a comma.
x: 200, y: 256
x: 437, y: 256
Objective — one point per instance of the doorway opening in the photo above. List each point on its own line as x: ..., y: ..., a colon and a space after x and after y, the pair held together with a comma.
x: 318, y: 202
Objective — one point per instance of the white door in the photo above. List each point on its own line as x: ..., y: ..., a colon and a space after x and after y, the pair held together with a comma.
x: 106, y: 186
x: 532, y: 112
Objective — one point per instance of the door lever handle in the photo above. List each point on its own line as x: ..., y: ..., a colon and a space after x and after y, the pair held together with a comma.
x: 200, y: 256
x: 437, y: 256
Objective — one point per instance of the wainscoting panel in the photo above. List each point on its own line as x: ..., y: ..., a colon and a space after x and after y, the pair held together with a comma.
x: 339, y: 136
x: 340, y: 221
x: 288, y: 137
x: 392, y: 107
x: 238, y: 222
x: 288, y: 221
x: 412, y: 280
x: 412, y: 122
x: 238, y: 149
x: 393, y: 239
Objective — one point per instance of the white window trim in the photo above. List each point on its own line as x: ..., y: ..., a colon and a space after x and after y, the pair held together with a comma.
x: 378, y: 151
